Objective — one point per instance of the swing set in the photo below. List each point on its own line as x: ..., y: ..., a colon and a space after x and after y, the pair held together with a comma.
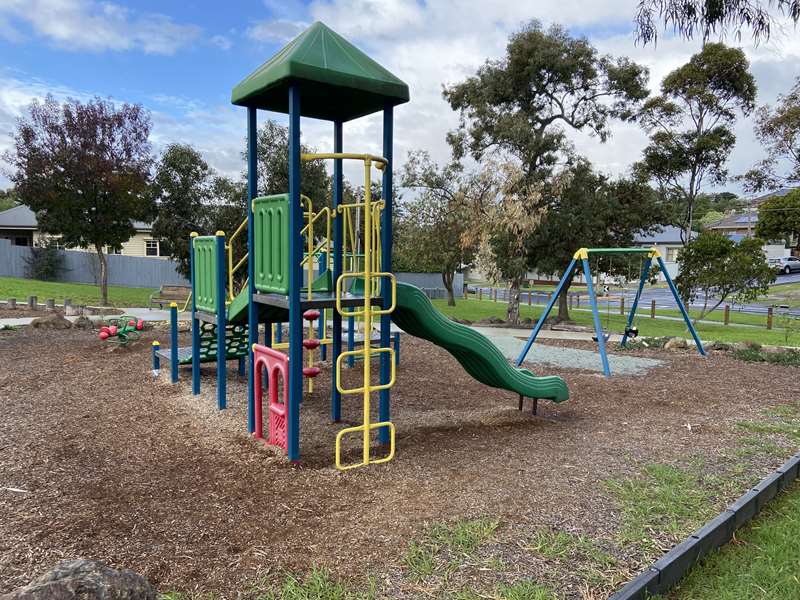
x: 631, y: 331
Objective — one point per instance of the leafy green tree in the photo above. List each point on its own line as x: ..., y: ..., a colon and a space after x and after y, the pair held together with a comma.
x: 273, y: 166
x: 8, y: 199
x: 721, y: 203
x: 192, y: 197
x: 778, y: 130
x: 521, y: 106
x: 432, y: 233
x: 84, y: 168
x: 691, y: 125
x: 716, y: 269
x: 707, y: 18
x: 501, y: 221
x: 779, y: 218
x: 592, y: 210
x: 709, y: 218
x: 182, y: 189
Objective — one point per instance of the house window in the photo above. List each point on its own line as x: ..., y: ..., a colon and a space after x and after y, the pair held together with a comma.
x: 672, y: 254
x: 151, y: 248
x: 21, y: 241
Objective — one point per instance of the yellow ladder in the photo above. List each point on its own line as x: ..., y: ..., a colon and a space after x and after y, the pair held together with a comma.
x: 371, y: 277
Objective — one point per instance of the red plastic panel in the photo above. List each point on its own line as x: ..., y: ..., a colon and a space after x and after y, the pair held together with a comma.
x: 277, y: 366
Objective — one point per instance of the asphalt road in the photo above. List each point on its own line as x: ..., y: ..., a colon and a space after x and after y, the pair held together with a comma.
x: 661, y: 295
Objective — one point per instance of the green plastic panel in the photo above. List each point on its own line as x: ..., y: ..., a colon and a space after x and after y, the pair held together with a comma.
x: 205, y: 273
x: 337, y: 81
x: 271, y: 243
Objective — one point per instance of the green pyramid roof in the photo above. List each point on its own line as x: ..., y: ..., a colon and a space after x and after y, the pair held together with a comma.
x: 337, y: 81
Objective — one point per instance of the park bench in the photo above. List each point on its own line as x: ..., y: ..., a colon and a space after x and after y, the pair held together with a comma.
x: 167, y: 294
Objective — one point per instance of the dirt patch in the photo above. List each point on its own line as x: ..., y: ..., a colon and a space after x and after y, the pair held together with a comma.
x: 101, y: 461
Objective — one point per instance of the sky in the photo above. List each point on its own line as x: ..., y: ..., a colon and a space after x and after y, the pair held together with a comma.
x: 181, y: 59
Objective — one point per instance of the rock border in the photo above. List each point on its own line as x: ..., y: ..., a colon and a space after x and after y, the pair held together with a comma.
x: 671, y: 567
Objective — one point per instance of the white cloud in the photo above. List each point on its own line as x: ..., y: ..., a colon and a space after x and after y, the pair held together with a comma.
x: 216, y: 131
x: 222, y: 42
x: 280, y: 30
x: 428, y: 44
x: 90, y: 25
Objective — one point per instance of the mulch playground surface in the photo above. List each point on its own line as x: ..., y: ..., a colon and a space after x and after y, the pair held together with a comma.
x: 98, y: 460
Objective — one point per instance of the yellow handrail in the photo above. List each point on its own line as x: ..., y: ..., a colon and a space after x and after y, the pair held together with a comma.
x: 231, y: 268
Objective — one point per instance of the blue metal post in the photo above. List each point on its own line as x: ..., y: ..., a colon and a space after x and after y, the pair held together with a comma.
x: 195, y: 321
x: 601, y: 340
x: 278, y: 332
x: 252, y: 309
x: 632, y: 315
x: 384, y: 404
x: 222, y: 358
x: 156, y: 359
x: 351, y: 341
x: 336, y: 333
x: 532, y: 338
x: 173, y: 337
x: 397, y: 348
x: 678, y: 300
x: 295, y: 278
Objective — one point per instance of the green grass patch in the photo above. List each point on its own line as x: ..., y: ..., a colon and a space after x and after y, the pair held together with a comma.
x: 420, y: 560
x: 318, y: 584
x: 80, y: 293
x: 663, y: 501
x: 446, y: 546
x: 555, y: 545
x: 521, y: 590
x: 463, y: 537
x: 761, y: 563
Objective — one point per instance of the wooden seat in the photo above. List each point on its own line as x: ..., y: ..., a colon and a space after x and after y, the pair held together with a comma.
x: 170, y: 293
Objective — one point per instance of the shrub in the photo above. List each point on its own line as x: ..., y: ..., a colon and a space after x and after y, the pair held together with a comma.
x: 46, y: 261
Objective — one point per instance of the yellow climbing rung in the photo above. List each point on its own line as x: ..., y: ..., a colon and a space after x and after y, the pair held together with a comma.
x: 365, y: 430
x: 364, y: 354
x: 373, y: 278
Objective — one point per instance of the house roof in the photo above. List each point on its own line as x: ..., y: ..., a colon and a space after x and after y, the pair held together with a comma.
x: 337, y: 81
x: 22, y: 217
x: 18, y: 217
x: 780, y: 192
x: 736, y: 221
x: 669, y: 234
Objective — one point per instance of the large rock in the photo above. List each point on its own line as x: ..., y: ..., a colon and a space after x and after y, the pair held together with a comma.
x: 54, y: 320
x: 83, y: 323
x: 85, y: 580
x: 676, y: 343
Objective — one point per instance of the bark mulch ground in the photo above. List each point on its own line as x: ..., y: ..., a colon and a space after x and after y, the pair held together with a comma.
x: 99, y: 460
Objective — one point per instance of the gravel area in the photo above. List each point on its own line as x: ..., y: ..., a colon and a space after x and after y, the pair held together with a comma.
x: 567, y: 358
x: 99, y: 460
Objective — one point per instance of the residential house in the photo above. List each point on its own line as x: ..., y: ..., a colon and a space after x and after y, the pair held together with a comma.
x: 668, y: 242
x: 19, y: 226
x: 743, y: 225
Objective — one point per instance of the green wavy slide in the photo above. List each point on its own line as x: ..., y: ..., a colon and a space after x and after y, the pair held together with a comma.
x: 415, y: 315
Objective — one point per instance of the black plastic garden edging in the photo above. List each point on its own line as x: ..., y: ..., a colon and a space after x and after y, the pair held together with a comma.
x: 668, y: 570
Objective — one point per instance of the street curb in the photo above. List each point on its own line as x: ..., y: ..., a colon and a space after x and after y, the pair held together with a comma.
x: 670, y: 568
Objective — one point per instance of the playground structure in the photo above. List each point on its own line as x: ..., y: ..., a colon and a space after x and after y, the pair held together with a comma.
x: 321, y: 75
x: 121, y: 330
x: 631, y: 331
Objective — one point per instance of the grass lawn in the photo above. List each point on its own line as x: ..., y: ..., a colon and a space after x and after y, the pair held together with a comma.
x: 788, y: 294
x: 474, y: 310
x: 81, y: 293
x: 762, y: 562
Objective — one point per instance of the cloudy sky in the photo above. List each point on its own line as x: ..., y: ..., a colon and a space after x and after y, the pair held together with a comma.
x: 180, y: 59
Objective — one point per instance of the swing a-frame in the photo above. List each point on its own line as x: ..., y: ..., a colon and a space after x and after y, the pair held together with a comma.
x: 582, y: 255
